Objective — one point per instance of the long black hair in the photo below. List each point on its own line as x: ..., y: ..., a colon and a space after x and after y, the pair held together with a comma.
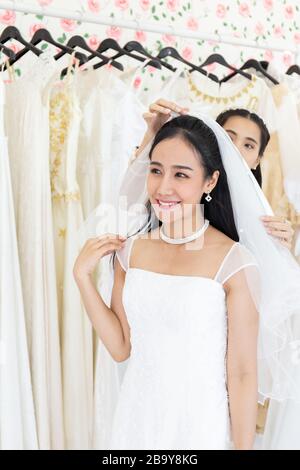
x: 264, y: 133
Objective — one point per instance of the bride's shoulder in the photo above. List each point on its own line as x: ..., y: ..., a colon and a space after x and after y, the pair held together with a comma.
x: 234, y: 254
x: 218, y: 239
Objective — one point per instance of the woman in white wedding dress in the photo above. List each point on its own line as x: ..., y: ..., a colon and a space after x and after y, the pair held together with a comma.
x: 182, y: 307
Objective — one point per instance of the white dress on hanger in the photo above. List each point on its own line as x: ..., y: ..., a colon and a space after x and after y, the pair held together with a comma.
x: 293, y: 83
x: 17, y: 420
x: 282, y: 430
x: 75, y: 328
x: 27, y: 128
x: 146, y: 82
x: 111, y: 127
x: 202, y: 93
x: 174, y: 393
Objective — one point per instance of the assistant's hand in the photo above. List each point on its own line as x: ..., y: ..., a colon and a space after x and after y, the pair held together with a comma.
x: 280, y: 228
x: 158, y: 114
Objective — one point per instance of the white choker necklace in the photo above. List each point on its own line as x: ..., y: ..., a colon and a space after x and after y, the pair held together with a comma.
x: 178, y: 241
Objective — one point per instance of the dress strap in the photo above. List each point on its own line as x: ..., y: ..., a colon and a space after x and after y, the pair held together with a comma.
x: 224, y: 260
x: 123, y: 255
x: 237, y: 258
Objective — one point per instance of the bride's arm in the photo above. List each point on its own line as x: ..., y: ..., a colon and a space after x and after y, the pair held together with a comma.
x: 242, y: 361
x: 111, y: 323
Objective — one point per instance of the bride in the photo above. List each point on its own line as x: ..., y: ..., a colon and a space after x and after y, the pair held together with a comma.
x: 182, y: 305
x: 188, y: 286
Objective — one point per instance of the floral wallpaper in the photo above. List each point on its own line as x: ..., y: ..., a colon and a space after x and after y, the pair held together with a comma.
x: 268, y: 22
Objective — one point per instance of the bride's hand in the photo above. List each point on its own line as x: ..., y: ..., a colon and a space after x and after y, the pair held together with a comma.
x: 158, y: 114
x: 279, y: 228
x: 93, y: 250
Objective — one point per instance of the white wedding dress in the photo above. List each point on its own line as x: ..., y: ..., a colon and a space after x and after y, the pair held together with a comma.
x: 17, y: 419
x: 75, y: 328
x: 110, y: 128
x: 174, y: 392
x: 27, y: 127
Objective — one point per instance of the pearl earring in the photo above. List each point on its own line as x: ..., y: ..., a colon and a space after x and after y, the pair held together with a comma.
x: 208, y: 198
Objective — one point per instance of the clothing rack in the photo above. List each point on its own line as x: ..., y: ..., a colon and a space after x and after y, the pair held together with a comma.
x: 83, y: 17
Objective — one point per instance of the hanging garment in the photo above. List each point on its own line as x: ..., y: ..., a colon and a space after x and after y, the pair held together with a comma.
x: 111, y: 127
x: 17, y: 419
x: 175, y: 397
x: 289, y: 144
x: 282, y: 424
x: 289, y: 141
x: 75, y: 328
x: 280, y: 167
x: 146, y: 81
x: 27, y: 128
x: 286, y: 98
x: 191, y: 89
x: 111, y: 122
x: 277, y: 175
x: 272, y: 181
x: 293, y: 83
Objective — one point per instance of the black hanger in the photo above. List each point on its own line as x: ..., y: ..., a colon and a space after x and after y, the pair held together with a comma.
x: 7, y: 51
x: 293, y: 69
x: 172, y: 52
x: 265, y: 64
x: 110, y: 43
x: 78, y: 41
x: 251, y: 63
x: 11, y: 32
x: 219, y: 59
x: 44, y: 35
x: 137, y: 47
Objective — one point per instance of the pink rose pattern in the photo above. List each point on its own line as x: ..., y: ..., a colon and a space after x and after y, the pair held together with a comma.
x: 122, y: 4
x: 93, y: 41
x: 244, y: 9
x: 44, y: 3
x: 137, y: 82
x: 266, y: 21
x: 221, y: 10
x: 169, y: 40
x: 35, y: 27
x: 140, y: 36
x: 269, y: 5
x: 259, y: 29
x: 145, y: 4
x: 192, y: 24
x: 94, y: 6
x: 187, y: 53
x: 172, y: 5
x: 68, y: 25
x: 114, y: 32
x: 7, y: 17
